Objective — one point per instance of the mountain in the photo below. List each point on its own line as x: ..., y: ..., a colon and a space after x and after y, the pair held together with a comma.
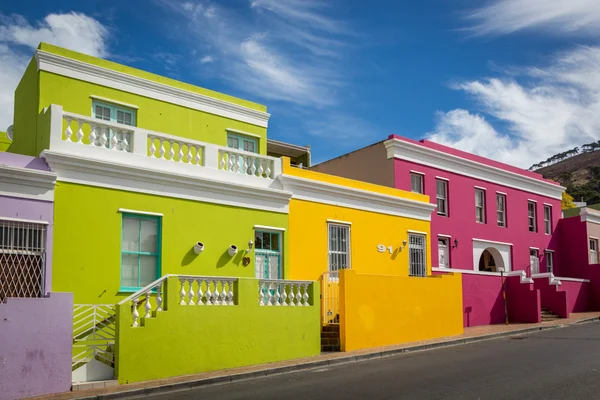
x: 577, y: 169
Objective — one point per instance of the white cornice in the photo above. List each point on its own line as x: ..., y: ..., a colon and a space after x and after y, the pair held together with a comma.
x: 144, y: 87
x: 26, y: 183
x: 343, y: 196
x: 419, y: 154
x: 129, y: 177
x: 586, y: 216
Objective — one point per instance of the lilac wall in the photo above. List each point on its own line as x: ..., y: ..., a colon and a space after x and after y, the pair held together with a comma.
x: 35, y: 346
x: 461, y: 224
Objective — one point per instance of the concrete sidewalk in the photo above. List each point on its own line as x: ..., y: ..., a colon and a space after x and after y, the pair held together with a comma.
x: 187, y: 382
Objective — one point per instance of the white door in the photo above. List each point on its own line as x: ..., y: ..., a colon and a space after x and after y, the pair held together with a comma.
x: 534, y: 261
x: 443, y: 253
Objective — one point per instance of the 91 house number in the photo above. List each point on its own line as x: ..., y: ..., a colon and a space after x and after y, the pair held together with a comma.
x: 381, y: 248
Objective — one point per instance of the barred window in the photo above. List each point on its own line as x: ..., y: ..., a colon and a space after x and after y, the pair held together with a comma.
x: 22, y: 259
x: 417, y: 260
x: 339, y: 247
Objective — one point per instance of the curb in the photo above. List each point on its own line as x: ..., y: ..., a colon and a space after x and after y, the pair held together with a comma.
x: 193, y: 384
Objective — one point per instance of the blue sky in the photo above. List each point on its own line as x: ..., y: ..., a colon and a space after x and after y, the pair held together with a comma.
x: 513, y: 80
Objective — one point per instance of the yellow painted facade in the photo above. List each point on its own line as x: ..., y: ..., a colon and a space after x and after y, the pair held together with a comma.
x: 308, y: 237
x: 379, y: 310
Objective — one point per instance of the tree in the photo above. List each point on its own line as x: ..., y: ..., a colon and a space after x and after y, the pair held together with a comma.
x: 567, y: 201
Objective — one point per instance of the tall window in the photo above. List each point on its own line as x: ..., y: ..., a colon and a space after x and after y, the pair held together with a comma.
x: 548, y: 219
x: 441, y: 188
x: 417, y: 260
x: 140, y: 251
x: 22, y: 259
x: 416, y: 183
x: 480, y: 205
x: 593, y: 251
x: 531, y: 216
x: 339, y: 247
x: 501, y: 209
x: 534, y: 261
x: 549, y: 261
x: 267, y: 253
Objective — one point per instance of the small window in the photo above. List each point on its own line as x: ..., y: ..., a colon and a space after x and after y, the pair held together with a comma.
x: 113, y: 113
x: 267, y: 255
x: 501, y: 209
x: 416, y: 183
x: 339, y: 247
x: 441, y: 188
x: 548, y: 219
x: 531, y: 216
x: 549, y: 261
x: 140, y: 251
x: 534, y: 261
x: 242, y: 143
x: 417, y: 259
x: 593, y: 251
x: 480, y: 205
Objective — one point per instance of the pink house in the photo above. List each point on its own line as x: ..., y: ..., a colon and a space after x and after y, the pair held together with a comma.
x: 490, y: 217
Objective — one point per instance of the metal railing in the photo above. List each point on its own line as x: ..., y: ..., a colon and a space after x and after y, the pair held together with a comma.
x: 330, y: 299
x: 94, y: 328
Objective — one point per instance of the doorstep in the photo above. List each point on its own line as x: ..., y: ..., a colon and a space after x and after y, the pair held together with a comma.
x: 187, y: 382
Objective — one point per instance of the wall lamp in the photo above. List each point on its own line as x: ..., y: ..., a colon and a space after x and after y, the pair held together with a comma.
x: 455, y: 243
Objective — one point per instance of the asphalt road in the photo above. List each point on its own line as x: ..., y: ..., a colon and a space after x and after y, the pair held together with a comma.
x: 555, y: 364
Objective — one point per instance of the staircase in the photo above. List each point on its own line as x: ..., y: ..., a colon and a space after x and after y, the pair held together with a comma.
x: 330, y: 338
x: 548, y: 316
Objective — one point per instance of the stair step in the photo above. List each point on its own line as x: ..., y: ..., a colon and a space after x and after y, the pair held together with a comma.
x: 328, y: 335
x: 330, y: 328
x: 330, y: 342
x: 326, y: 349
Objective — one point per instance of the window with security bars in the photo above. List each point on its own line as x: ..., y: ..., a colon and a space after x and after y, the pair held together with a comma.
x: 339, y: 247
x: 416, y: 251
x: 22, y: 259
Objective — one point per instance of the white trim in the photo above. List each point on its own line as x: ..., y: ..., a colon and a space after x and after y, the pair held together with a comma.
x: 480, y: 188
x: 417, y: 172
x: 589, y: 217
x: 344, y: 196
x: 137, y: 178
x: 125, y: 210
x: 443, y: 235
x: 336, y: 221
x: 593, y: 237
x: 419, y: 154
x: 86, y: 72
x: 556, y: 280
x: 29, y: 221
x: 27, y: 183
x: 548, y: 251
x: 498, y: 192
x: 531, y: 200
x: 111, y: 101
x: 562, y: 278
x: 269, y: 228
x: 491, y: 241
x: 534, y: 248
x: 548, y: 204
x: 442, y: 178
x: 416, y: 232
x: 521, y: 274
x: 238, y: 132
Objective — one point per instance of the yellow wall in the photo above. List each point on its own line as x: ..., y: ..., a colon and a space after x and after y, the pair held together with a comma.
x: 385, y: 310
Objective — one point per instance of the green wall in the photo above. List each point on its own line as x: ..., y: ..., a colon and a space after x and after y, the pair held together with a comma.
x: 4, y: 142
x: 25, y: 137
x: 87, y: 238
x: 192, y: 339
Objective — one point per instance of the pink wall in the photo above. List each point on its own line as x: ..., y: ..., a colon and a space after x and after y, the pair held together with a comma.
x: 460, y: 223
x: 482, y: 300
x: 574, y: 244
x: 523, y: 301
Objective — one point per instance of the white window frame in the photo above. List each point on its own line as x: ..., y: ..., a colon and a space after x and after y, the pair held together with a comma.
x: 337, y: 251
x: 548, y: 219
x: 445, y: 239
x: 549, y: 256
x: 501, y: 213
x: 417, y: 268
x: 532, y: 219
x: 480, y: 207
x: 593, y: 251
x: 443, y: 199
x: 534, y: 251
x: 421, y: 179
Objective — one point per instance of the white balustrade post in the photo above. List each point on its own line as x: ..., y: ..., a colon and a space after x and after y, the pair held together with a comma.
x: 283, y: 294
x: 208, y: 293
x: 159, y: 298
x: 139, y: 143
x: 298, y: 297
x: 93, y: 135
x: 261, y: 293
x: 200, y: 293
x: 182, y: 293
x: 269, y: 295
x: 277, y: 294
x: 79, y: 135
x: 223, y: 294
x: 292, y: 296
x: 215, y: 295
x: 230, y: 293
x: 306, y: 294
x: 191, y: 292
x: 161, y: 151
x: 171, y: 149
x: 180, y: 152
x: 147, y: 306
x: 135, y: 314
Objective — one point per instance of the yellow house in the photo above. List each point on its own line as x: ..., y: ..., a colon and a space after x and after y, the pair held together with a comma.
x: 369, y: 246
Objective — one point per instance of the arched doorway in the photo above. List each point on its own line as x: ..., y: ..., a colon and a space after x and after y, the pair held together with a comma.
x: 490, y: 260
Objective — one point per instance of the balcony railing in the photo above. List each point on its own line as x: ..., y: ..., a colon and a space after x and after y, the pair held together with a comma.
x: 85, y: 135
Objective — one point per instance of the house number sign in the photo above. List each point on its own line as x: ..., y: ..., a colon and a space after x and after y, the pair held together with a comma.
x: 382, y: 248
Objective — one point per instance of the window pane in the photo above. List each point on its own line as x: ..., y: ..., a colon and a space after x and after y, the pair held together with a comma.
x: 441, y: 189
x: 129, y: 270
x: 106, y: 113
x: 249, y: 146
x: 128, y: 119
x: 416, y: 183
x: 120, y: 116
x: 275, y: 241
x: 149, y: 235
x: 131, y: 232
x: 233, y: 142
x: 258, y: 243
x: 266, y: 241
x: 148, y: 273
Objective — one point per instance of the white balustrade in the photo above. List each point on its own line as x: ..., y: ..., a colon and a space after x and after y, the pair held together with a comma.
x: 243, y: 162
x: 96, y: 132
x: 203, y: 291
x: 273, y: 292
x: 176, y: 149
x: 145, y: 296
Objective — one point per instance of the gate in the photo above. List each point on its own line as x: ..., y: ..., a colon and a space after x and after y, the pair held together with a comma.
x: 330, y: 299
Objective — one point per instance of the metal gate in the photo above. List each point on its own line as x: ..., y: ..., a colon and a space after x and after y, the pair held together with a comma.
x: 330, y: 299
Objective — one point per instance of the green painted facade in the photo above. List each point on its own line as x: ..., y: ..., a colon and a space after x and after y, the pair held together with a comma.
x: 4, y: 141
x: 38, y: 90
x: 191, y: 339
x: 87, y: 239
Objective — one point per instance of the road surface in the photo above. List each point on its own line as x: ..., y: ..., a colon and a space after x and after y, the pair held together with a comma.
x: 549, y: 365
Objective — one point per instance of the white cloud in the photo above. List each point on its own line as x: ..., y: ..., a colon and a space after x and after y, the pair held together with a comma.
x: 558, y: 16
x: 544, y: 111
x: 73, y: 30
x: 207, y: 59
